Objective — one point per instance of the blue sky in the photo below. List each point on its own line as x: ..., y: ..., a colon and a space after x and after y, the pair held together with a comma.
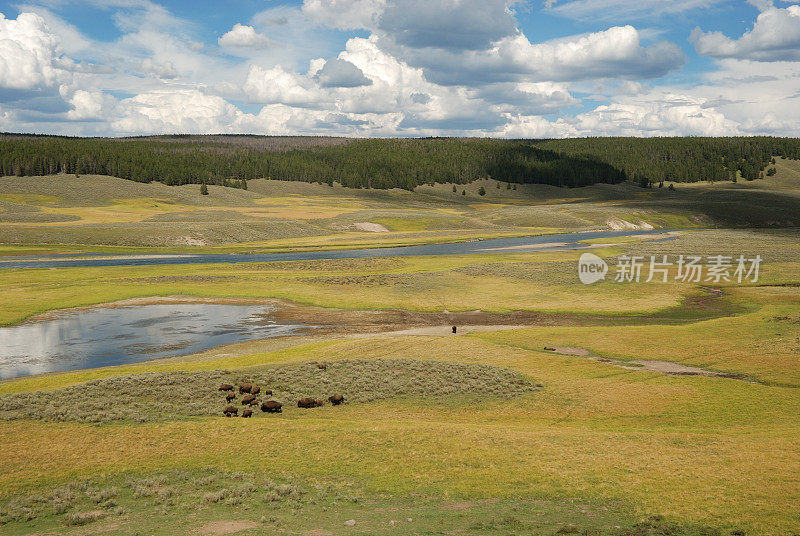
x: 552, y: 68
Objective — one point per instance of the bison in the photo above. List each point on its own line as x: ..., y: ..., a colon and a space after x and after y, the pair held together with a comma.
x: 229, y: 397
x: 255, y: 403
x: 267, y: 393
x: 247, y: 399
x: 255, y: 390
x: 549, y: 349
x: 271, y: 406
x: 226, y: 387
x: 247, y: 413
x: 322, y: 366
x: 336, y: 399
x: 455, y: 329
x: 230, y: 410
x: 245, y: 388
x: 307, y: 403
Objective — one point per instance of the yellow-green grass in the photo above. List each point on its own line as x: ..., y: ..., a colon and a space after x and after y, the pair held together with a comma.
x: 713, y: 451
x: 706, y: 450
x: 421, y: 283
x: 98, y: 210
x: 494, y: 281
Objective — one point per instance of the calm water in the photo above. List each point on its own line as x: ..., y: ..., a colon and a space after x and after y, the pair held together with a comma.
x: 119, y: 335
x: 570, y: 241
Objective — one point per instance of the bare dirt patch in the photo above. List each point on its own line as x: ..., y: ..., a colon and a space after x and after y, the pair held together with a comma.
x: 370, y: 227
x: 220, y: 528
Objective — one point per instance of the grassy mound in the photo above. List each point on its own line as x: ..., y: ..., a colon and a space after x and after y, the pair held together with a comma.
x: 175, y: 395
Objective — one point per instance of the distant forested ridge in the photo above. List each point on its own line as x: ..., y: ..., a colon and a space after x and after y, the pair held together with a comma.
x: 681, y: 159
x: 393, y: 163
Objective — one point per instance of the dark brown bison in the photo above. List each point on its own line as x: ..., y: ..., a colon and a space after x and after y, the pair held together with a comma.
x: 318, y: 403
x: 247, y: 399
x: 306, y: 403
x: 247, y: 413
x: 255, y: 403
x: 455, y: 329
x: 226, y: 387
x: 245, y: 388
x: 271, y: 406
x: 549, y: 349
x: 255, y: 390
x: 336, y: 399
x: 229, y: 397
x: 267, y: 393
x: 322, y: 366
x: 230, y: 410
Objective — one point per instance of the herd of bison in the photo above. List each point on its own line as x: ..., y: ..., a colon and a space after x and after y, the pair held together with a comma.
x: 251, y: 400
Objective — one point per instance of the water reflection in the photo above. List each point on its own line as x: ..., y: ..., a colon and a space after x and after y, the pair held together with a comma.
x: 115, y: 336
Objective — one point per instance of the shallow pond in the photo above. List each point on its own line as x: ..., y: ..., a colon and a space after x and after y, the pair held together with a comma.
x: 100, y: 337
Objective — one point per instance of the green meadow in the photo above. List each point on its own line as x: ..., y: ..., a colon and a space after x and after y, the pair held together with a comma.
x: 482, y: 432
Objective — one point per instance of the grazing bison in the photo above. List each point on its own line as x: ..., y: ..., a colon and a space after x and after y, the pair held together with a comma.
x: 267, y: 393
x: 255, y: 390
x: 229, y: 397
x: 454, y: 329
x: 245, y: 388
x: 322, y: 366
x: 336, y: 399
x: 247, y: 399
x: 255, y: 403
x: 318, y: 403
x: 226, y: 387
x: 230, y: 410
x: 271, y: 406
x: 549, y: 349
x: 247, y: 413
x: 306, y: 403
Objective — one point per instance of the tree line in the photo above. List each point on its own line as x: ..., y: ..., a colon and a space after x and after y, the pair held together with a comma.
x: 392, y: 163
x: 682, y: 159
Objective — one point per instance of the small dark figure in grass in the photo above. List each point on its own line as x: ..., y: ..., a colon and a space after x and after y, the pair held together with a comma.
x: 454, y: 329
x: 336, y: 399
x: 226, y: 387
x: 247, y: 399
x: 254, y: 403
x: 268, y: 392
x: 255, y: 390
x: 229, y: 397
x: 230, y: 410
x: 306, y: 403
x: 247, y: 413
x: 271, y: 406
x: 549, y: 349
x: 245, y: 388
x: 322, y: 366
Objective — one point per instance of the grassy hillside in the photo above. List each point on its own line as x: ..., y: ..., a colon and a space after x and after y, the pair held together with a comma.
x: 105, y: 211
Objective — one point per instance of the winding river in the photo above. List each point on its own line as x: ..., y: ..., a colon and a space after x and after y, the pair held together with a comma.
x: 562, y: 241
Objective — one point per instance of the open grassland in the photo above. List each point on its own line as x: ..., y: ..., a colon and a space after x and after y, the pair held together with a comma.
x: 598, y: 447
x: 474, y: 447
x: 69, y: 213
x: 697, y: 450
x: 491, y: 282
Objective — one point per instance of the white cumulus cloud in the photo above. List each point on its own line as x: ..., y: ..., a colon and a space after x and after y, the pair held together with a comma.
x: 28, y: 53
x: 243, y: 36
x: 775, y: 37
x: 175, y: 111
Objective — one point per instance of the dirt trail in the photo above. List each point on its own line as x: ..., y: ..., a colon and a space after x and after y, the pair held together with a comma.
x: 663, y: 367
